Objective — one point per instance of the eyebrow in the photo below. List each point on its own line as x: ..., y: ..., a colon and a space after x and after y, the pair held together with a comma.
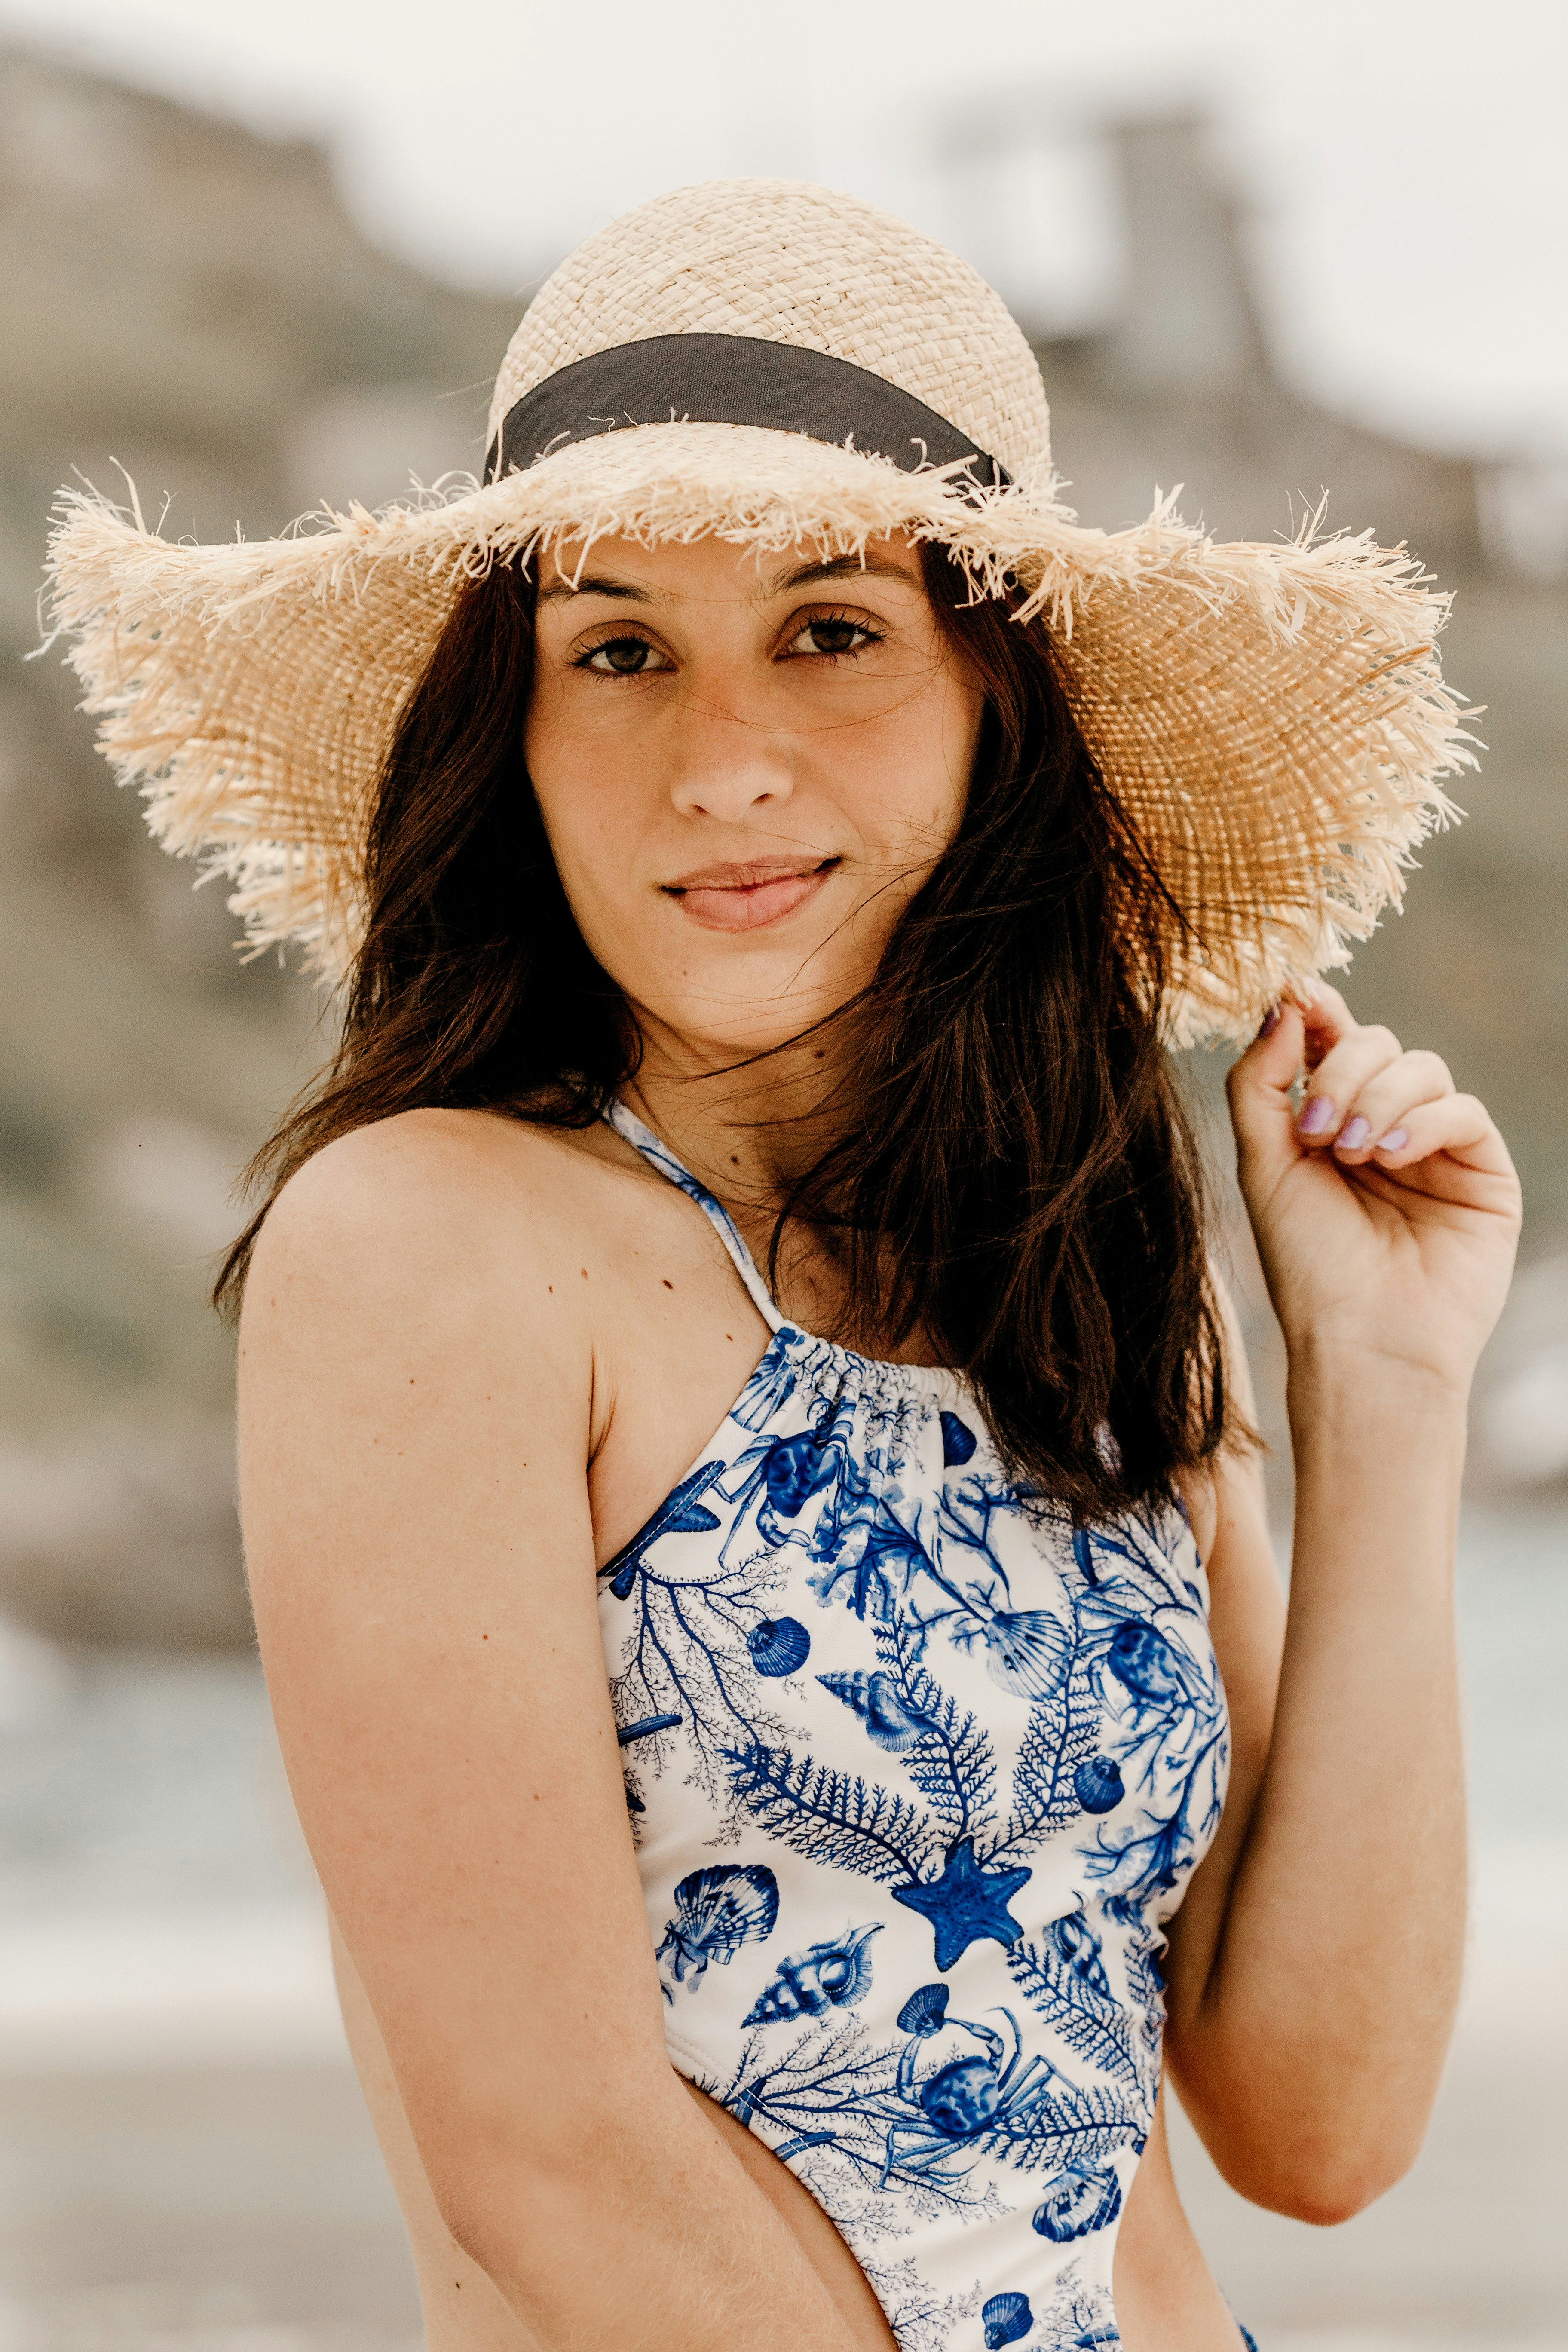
x: 804, y: 575
x: 625, y: 592
x: 842, y: 567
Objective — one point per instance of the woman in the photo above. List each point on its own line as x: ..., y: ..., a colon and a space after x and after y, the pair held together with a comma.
x: 756, y: 1730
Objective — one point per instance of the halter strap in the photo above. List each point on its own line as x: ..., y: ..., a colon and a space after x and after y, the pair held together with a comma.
x: 630, y: 1128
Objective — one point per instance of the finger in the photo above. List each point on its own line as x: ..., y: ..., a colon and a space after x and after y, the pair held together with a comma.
x: 1262, y: 1105
x: 1456, y: 1125
x: 1326, y: 1018
x: 1260, y: 1081
x: 1346, y: 1069
x: 1386, y: 1099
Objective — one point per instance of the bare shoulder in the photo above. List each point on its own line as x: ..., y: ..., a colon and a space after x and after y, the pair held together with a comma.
x: 433, y: 1204
x: 434, y: 1176
x: 408, y: 1313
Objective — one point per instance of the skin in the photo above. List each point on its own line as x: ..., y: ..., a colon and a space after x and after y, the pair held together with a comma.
x: 475, y: 1357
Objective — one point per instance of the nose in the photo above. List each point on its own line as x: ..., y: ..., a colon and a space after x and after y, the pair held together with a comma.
x: 726, y: 765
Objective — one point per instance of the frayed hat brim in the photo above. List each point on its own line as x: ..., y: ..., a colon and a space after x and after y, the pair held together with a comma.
x: 1272, y: 719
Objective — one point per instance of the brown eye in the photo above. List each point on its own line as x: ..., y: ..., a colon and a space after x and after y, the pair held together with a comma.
x: 827, y: 635
x: 623, y: 657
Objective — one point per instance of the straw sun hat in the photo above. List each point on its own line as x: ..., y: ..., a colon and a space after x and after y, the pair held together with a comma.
x: 773, y: 365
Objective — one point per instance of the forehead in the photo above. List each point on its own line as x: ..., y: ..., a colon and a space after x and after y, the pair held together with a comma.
x: 713, y: 567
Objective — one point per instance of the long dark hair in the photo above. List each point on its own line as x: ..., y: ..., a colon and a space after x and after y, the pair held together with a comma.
x: 1018, y: 1180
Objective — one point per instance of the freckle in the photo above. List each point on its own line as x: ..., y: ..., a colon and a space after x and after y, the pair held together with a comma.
x: 729, y: 1335
x: 551, y: 1287
x: 583, y: 1272
x: 668, y: 1284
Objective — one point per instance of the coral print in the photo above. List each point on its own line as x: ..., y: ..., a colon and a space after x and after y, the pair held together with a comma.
x: 956, y: 1760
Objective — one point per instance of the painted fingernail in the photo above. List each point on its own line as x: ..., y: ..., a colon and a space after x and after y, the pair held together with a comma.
x: 1354, y: 1134
x: 1271, y: 1023
x: 1395, y: 1140
x: 1318, y: 1114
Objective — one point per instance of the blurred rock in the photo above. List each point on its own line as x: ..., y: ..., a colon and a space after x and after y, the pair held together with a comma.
x: 175, y: 1177
x: 373, y: 442
x: 187, y: 299
x: 1180, y: 388
x: 35, y: 1679
x: 1524, y: 517
x: 125, y: 1532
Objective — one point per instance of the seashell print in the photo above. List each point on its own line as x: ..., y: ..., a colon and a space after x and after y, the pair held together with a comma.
x: 716, y: 1911
x: 924, y: 2011
x: 875, y: 1699
x: 778, y: 1646
x: 1082, y: 2196
x: 958, y: 1441
x: 1027, y: 1651
x: 644, y: 1727
x: 1076, y: 1946
x: 1098, y: 1784
x: 1005, y: 2318
x: 1144, y: 1661
x: 834, y: 1975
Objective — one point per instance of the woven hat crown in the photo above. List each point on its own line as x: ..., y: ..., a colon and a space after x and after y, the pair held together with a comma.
x: 783, y: 262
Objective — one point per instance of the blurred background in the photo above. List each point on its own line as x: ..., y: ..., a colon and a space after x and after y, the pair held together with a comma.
x: 263, y: 258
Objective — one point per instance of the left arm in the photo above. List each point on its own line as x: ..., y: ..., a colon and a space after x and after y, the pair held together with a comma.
x: 1314, y: 1968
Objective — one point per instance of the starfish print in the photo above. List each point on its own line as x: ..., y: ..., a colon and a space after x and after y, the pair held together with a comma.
x: 965, y: 1903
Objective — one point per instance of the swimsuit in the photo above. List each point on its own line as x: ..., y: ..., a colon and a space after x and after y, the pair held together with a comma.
x: 916, y: 1773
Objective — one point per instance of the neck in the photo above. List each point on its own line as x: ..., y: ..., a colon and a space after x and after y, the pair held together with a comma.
x: 745, y: 1128
x: 745, y: 1132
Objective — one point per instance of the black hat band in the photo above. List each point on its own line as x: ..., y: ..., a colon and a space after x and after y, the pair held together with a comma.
x: 731, y: 379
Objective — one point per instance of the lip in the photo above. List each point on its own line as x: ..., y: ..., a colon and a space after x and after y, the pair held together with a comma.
x: 746, y: 898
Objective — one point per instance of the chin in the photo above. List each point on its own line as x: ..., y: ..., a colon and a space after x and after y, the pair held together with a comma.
x: 745, y: 1003
x: 734, y: 1033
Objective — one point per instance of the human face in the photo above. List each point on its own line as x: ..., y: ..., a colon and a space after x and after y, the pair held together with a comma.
x: 747, y: 764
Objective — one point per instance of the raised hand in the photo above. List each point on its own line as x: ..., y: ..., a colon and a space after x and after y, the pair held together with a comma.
x: 1385, y: 1207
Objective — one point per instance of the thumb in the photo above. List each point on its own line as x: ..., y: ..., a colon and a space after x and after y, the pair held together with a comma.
x: 1261, y: 1110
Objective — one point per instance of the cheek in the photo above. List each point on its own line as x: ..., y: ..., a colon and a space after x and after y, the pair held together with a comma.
x: 582, y: 803
x: 912, y: 778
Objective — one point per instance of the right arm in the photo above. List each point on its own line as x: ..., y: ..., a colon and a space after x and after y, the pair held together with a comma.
x: 416, y: 1415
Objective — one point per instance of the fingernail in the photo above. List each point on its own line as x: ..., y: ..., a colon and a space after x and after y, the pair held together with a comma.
x: 1271, y: 1023
x: 1352, y: 1135
x: 1395, y: 1140
x: 1317, y: 1116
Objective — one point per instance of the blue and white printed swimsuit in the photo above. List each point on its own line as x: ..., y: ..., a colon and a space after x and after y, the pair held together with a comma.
x: 916, y: 1776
